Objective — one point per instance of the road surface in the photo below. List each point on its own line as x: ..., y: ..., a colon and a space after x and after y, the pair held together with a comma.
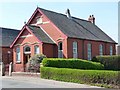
x: 37, y: 82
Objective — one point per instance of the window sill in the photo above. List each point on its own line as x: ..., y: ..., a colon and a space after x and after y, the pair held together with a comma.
x: 18, y: 62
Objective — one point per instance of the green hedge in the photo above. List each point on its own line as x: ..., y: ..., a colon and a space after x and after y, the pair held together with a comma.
x: 81, y: 76
x: 110, y: 62
x: 71, y: 63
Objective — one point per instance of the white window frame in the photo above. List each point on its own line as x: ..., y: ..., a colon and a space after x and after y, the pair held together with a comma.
x: 111, y: 50
x: 27, y: 52
x: 18, y: 54
x: 36, y: 49
x: 101, y: 50
x: 39, y: 20
x: 60, y: 51
x: 75, y: 51
x: 89, y: 51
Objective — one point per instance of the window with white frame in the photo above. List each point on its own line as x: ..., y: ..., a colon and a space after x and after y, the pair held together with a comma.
x: 111, y: 50
x: 100, y: 49
x: 60, y: 50
x: 18, y: 54
x: 75, y: 53
x: 89, y: 51
x: 39, y: 20
x: 27, y: 49
x: 36, y: 49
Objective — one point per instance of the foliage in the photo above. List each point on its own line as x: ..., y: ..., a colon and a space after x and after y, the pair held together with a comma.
x: 102, y: 77
x: 94, y: 59
x: 71, y: 63
x: 110, y: 62
x: 34, y: 62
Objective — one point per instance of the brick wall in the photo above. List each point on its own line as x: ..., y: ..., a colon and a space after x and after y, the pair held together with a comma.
x: 82, y: 48
x: 7, y: 57
x: 118, y: 50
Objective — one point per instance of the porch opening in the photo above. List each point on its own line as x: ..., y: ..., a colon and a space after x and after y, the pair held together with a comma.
x: 27, y: 55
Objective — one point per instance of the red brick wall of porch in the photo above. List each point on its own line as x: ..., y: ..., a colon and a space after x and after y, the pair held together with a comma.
x: 31, y: 41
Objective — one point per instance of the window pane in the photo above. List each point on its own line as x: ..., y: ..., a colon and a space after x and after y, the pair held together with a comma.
x: 89, y: 51
x: 75, y: 50
x: 101, y: 50
x: 37, y: 50
x: 60, y: 46
x: 111, y: 50
x: 60, y: 50
x: 39, y: 20
x: 74, y: 44
x: 18, y: 54
x: 60, y: 54
x: 27, y: 49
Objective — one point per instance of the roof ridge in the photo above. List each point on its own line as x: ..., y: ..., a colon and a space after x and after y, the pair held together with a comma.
x: 62, y: 14
x: 9, y: 28
x: 80, y: 19
x: 51, y: 11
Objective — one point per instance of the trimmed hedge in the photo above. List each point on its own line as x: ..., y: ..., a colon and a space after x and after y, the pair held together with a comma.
x: 81, y: 76
x: 71, y: 63
x: 110, y: 62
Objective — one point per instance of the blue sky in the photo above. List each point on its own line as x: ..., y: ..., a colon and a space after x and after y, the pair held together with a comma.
x: 13, y: 14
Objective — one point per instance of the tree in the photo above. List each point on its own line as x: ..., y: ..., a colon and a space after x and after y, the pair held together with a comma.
x: 34, y: 63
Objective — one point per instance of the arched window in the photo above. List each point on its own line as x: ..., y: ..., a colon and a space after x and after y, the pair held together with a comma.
x: 18, y: 54
x: 39, y: 20
x: 75, y: 53
x: 111, y: 50
x: 89, y: 51
x: 27, y: 50
x: 36, y: 49
x: 60, y: 50
x: 100, y: 49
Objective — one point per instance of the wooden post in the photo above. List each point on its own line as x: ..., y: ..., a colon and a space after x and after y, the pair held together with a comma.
x: 10, y: 69
x: 2, y: 69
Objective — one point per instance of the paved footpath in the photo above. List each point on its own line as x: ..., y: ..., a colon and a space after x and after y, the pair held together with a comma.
x: 36, y: 82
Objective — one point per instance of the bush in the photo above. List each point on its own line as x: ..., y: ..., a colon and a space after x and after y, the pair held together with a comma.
x: 110, y: 62
x: 94, y: 59
x: 71, y: 63
x: 81, y: 76
x: 34, y: 62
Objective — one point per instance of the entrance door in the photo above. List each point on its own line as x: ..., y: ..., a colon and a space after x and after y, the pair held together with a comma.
x: 27, y: 57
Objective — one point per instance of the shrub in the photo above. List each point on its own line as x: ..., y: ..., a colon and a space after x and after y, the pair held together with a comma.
x: 94, y: 59
x: 81, y: 76
x: 71, y: 63
x: 110, y: 62
x: 34, y: 62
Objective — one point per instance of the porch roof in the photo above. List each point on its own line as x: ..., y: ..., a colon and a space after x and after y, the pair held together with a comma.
x: 40, y: 34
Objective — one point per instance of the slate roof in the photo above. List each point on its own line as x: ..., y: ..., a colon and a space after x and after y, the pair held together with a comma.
x: 40, y: 34
x: 77, y: 28
x: 7, y: 36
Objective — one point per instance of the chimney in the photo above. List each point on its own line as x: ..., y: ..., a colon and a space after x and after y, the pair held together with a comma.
x: 91, y: 19
x: 68, y: 13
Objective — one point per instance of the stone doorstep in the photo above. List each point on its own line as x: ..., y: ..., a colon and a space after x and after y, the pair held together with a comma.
x: 25, y: 74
